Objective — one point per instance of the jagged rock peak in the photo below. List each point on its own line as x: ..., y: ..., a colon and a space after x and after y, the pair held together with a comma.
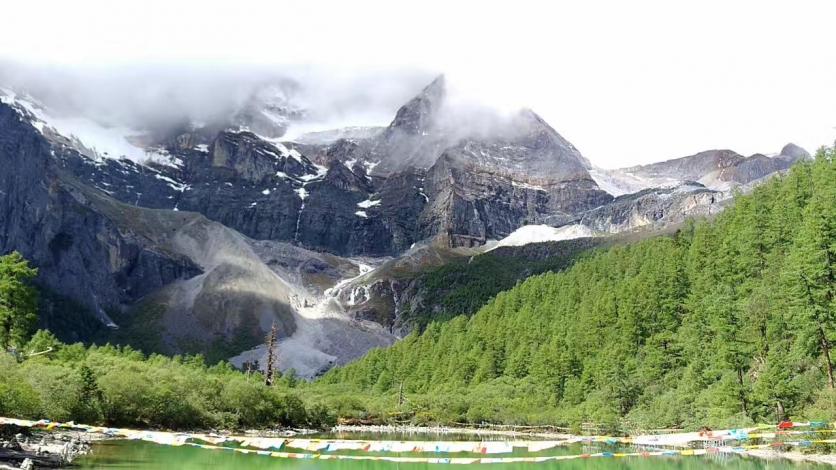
x: 270, y: 109
x: 794, y: 151
x: 418, y: 114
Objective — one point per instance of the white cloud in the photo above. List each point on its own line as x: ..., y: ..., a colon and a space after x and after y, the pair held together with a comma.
x: 626, y: 82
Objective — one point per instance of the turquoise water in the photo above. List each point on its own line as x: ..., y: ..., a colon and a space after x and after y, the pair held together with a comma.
x: 147, y: 456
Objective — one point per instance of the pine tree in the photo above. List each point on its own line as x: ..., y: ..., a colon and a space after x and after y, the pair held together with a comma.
x: 812, y: 267
x: 89, y: 405
x: 18, y: 300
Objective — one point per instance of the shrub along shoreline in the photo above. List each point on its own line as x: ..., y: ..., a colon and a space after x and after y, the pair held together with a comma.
x: 119, y: 386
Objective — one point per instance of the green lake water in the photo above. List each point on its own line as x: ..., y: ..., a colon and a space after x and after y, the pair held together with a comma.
x: 146, y: 456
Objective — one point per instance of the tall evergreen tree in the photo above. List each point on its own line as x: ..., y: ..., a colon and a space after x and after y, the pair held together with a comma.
x: 18, y: 300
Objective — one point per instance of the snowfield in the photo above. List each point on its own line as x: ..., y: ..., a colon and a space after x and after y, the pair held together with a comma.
x: 544, y: 233
x: 92, y: 137
x: 619, y: 182
x: 368, y: 203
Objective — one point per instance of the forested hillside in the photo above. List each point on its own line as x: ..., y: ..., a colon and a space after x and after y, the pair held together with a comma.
x: 464, y: 285
x: 728, y: 322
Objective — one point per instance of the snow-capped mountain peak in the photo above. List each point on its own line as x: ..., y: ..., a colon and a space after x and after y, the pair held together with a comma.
x: 91, y: 138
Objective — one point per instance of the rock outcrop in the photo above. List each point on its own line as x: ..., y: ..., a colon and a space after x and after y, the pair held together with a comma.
x: 654, y: 208
x: 716, y: 169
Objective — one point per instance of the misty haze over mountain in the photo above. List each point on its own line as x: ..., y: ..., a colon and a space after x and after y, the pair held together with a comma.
x: 154, y: 96
x: 747, y: 76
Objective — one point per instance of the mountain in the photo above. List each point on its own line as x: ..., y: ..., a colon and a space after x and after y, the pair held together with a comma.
x: 199, y: 236
x: 718, y: 170
x: 479, y: 175
x: 269, y: 110
x: 420, y: 177
x: 174, y: 280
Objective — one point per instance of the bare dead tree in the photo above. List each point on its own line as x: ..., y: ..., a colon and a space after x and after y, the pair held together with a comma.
x: 271, y: 356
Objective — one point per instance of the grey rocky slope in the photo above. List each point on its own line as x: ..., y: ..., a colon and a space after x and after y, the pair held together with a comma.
x: 664, y: 193
x: 49, y: 216
x: 718, y: 170
x: 197, y: 284
x: 655, y: 208
x: 721, y: 169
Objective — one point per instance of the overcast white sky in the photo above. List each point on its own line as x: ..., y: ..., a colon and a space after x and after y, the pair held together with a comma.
x: 626, y: 81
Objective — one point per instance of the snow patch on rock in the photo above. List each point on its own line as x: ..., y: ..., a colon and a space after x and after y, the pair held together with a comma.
x: 94, y: 139
x: 523, y: 185
x: 368, y: 203
x: 620, y: 182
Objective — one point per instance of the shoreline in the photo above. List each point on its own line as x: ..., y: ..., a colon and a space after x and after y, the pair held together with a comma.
x: 762, y: 454
x: 795, y: 456
x: 44, y: 449
x: 445, y: 430
x: 56, y: 440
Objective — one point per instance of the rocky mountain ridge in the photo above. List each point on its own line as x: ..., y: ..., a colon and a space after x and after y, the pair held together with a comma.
x: 719, y: 170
